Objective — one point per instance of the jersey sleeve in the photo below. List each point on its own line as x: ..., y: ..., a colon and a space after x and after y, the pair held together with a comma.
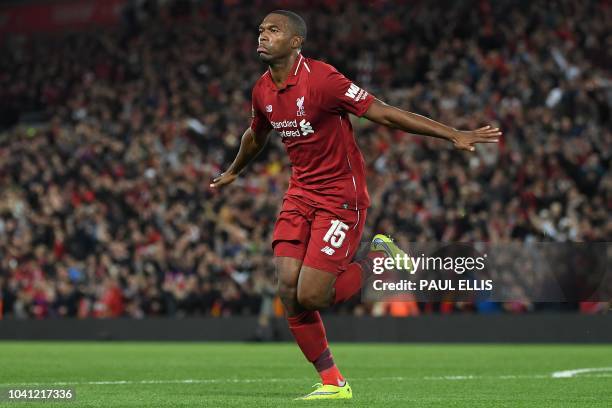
x: 259, y: 121
x: 341, y: 94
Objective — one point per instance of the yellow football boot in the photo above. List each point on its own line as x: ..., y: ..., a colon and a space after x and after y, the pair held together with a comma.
x: 328, y: 391
x: 384, y: 243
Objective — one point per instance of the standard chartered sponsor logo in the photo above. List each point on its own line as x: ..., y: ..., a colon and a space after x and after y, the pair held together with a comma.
x: 289, y: 133
x: 291, y: 128
x: 284, y: 124
x: 306, y: 127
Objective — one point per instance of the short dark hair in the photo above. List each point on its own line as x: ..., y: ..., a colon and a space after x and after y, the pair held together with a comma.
x: 298, y: 25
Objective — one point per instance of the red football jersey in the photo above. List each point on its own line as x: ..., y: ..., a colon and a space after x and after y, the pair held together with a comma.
x: 311, y: 116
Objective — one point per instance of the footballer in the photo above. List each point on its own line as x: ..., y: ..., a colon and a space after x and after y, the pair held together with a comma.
x: 307, y: 102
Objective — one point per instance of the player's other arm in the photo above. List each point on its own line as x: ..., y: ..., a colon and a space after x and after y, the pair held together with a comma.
x: 396, y: 118
x: 253, y: 142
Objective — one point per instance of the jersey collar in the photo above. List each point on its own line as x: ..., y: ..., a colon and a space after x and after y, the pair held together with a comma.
x: 294, y: 74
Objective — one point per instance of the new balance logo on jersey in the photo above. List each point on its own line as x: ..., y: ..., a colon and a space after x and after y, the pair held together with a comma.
x: 328, y: 251
x: 356, y: 93
x: 269, y: 108
x: 306, y: 128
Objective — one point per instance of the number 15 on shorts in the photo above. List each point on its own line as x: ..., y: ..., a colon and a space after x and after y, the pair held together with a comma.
x: 336, y: 233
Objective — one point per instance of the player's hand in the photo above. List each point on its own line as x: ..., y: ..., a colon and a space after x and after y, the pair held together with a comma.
x: 466, y: 139
x: 223, y: 179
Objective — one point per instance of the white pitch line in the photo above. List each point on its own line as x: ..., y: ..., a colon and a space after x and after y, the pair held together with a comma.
x: 483, y: 377
x: 144, y: 382
x: 453, y: 377
x: 306, y: 379
x: 573, y: 373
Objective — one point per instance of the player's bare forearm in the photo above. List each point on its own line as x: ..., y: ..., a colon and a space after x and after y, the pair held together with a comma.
x: 250, y: 146
x: 396, y: 118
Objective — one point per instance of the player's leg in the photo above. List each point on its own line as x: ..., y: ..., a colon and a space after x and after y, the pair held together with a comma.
x: 291, y: 235
x: 351, y: 280
x: 306, y: 324
x: 289, y: 243
x: 320, y: 289
x: 328, y: 275
x: 334, y: 239
x: 315, y: 289
x: 288, y: 272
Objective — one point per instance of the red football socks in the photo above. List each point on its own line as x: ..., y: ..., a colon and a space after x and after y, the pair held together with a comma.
x: 307, y: 326
x: 350, y: 281
x: 328, y: 370
x: 309, y: 333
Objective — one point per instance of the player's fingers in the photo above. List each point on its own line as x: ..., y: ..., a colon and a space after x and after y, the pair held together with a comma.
x: 488, y: 131
x: 466, y: 147
x: 222, y: 181
x: 217, y: 181
x: 483, y: 128
x: 218, y: 184
x: 493, y: 136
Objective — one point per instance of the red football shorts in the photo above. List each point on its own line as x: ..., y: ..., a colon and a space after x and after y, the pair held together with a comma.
x: 324, y: 239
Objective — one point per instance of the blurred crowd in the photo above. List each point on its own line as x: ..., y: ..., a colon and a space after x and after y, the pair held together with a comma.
x: 112, y: 136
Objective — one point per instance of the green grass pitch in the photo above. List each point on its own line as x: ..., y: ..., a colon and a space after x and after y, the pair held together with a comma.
x: 270, y: 375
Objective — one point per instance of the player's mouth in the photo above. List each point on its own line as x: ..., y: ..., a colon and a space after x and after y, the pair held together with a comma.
x: 262, y: 50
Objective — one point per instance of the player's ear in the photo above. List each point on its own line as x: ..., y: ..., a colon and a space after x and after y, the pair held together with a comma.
x: 296, y: 42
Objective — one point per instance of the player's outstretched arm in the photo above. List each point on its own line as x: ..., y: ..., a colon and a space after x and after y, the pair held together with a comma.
x: 250, y: 146
x: 396, y: 118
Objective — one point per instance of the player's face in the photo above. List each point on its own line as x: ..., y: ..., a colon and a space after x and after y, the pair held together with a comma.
x: 276, y: 40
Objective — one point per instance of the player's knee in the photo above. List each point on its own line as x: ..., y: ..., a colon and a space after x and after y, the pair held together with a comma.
x: 287, y: 293
x: 311, y: 299
x: 288, y: 271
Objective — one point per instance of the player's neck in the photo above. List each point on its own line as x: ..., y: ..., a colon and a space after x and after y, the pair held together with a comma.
x: 279, y: 70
